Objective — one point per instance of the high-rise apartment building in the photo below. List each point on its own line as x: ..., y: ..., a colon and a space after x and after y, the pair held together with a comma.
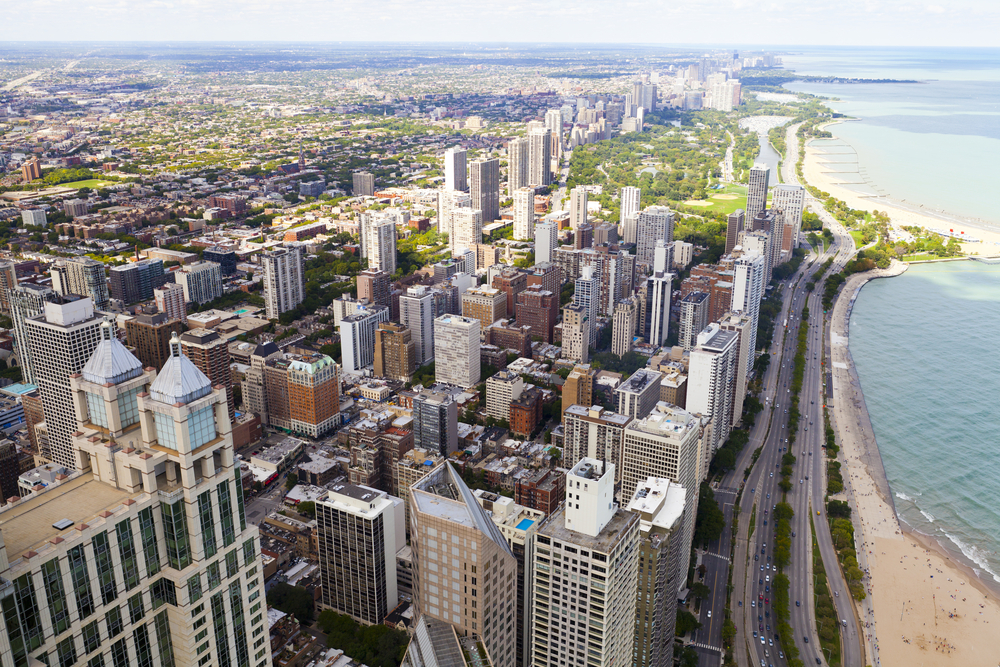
x: 602, y: 539
x: 659, y: 503
x: 654, y: 223
x: 150, y: 336
x: 576, y: 333
x: 26, y: 300
x: 694, y: 318
x: 34, y: 217
x: 524, y: 214
x: 170, y: 301
x: 377, y: 232
x: 626, y: 318
x: 455, y: 168
x: 466, y: 229
x: 554, y: 124
x: 628, y: 207
x: 375, y: 286
x: 457, y: 548
x: 209, y: 352
x: 82, y: 276
x: 358, y: 532
x: 712, y: 381
x: 757, y: 191
x: 790, y: 201
x: 8, y: 281
x: 593, y: 432
x: 303, y: 392
x: 742, y: 325
x: 758, y: 242
x: 546, y: 241
x: 131, y: 283
x: 364, y: 184
x: 60, y: 341
x: 486, y: 304
x: 456, y: 350
x: 517, y: 164
x: 538, y: 309
x: 450, y: 201
x: 357, y: 337
x: 485, y: 181
x: 734, y: 225
x: 638, y: 395
x: 435, y: 422
x: 657, y: 306
x: 201, y: 282
x: 578, y: 389
x: 748, y: 290
x: 395, y: 352
x: 284, y: 280
x: 577, y: 207
x: 770, y: 223
x: 539, y: 157
x: 587, y: 294
x: 416, y: 312
x: 501, y: 390
x: 511, y: 282
x: 666, y: 444
x: 223, y: 256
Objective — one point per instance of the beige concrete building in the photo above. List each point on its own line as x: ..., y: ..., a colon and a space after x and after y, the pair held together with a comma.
x: 593, y: 432
x: 626, y: 317
x: 456, y: 350
x: 463, y: 568
x: 576, y: 334
x: 486, y: 304
x: 579, y: 387
x: 501, y: 390
x: 395, y: 352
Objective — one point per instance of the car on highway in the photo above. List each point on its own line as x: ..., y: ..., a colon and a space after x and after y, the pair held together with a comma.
x: 756, y: 557
x: 710, y: 613
x: 761, y: 568
x: 768, y: 578
x: 805, y: 639
x: 762, y: 641
x: 755, y: 634
x: 797, y: 603
x: 753, y: 603
x: 760, y: 582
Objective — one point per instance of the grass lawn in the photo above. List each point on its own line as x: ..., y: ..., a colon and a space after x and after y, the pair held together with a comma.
x: 93, y: 183
x: 920, y: 257
x: 859, y: 238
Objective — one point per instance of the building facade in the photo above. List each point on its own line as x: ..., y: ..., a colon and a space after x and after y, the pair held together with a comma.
x: 284, y: 280
x: 456, y: 350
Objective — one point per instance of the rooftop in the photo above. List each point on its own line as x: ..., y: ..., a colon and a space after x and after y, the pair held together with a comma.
x: 597, y: 413
x: 639, y: 381
x: 659, y: 502
x: 29, y: 523
x: 666, y: 420
x: 555, y: 528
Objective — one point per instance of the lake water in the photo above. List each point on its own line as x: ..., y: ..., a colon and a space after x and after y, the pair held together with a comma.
x: 933, y: 143
x: 925, y: 345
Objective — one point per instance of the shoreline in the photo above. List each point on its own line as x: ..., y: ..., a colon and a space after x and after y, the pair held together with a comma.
x: 939, y: 614
x: 814, y: 171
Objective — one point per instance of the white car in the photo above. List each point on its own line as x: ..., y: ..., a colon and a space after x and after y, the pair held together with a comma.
x: 710, y: 613
x: 767, y: 577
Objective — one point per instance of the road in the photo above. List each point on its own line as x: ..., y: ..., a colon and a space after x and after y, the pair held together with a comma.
x: 707, y: 641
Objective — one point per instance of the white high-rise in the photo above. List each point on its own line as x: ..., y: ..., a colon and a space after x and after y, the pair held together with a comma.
x: 554, y: 124
x: 629, y: 206
x: 539, y: 157
x: 587, y: 294
x: 416, y: 312
x: 524, y: 213
x: 757, y: 191
x: 790, y: 201
x: 170, y: 300
x: 60, y: 342
x: 456, y: 350
x: 26, y: 300
x: 577, y: 207
x: 455, y: 169
x: 658, y: 297
x: 711, y: 381
x: 546, y: 241
x: 655, y: 223
x: 284, y: 280
x: 466, y: 229
x: 448, y: 202
x: 357, y: 336
x: 623, y: 328
x: 758, y: 242
x: 378, y: 241
x: 748, y: 290
x: 588, y: 533
x: 485, y: 180
x: 517, y: 164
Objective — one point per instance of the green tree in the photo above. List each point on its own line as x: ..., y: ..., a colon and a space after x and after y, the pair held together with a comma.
x: 686, y: 622
x: 291, y: 481
x: 292, y: 600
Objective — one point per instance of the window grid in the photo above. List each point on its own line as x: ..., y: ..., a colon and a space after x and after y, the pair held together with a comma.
x: 56, y: 595
x: 143, y: 650
x: 126, y: 549
x: 135, y: 608
x: 66, y: 652
x: 207, y: 523
x: 221, y: 636
x: 249, y: 553
x: 81, y: 581
x: 166, y: 435
x: 23, y: 620
x: 232, y: 564
x: 91, y: 637
x: 176, y: 534
x: 194, y: 588
x: 95, y: 408
x: 226, y: 510
x: 201, y: 427
x: 162, y: 626
x: 239, y: 627
x: 113, y: 619
x: 150, y: 548
x: 119, y: 653
x: 240, y: 502
x: 105, y: 567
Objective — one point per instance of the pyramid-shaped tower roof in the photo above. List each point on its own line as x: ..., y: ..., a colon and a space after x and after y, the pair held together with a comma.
x: 111, y: 361
x: 180, y: 381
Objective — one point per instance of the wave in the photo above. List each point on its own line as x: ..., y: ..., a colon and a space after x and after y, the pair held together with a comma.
x: 928, y: 516
x: 903, y: 496
x: 975, y: 554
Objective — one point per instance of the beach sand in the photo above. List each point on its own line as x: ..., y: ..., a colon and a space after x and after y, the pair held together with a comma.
x: 925, y: 608
x: 817, y: 174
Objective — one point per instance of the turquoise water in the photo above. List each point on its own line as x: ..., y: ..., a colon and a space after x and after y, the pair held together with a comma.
x: 933, y: 143
x: 925, y: 345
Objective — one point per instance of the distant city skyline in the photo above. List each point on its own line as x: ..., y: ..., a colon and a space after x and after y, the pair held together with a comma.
x: 854, y: 22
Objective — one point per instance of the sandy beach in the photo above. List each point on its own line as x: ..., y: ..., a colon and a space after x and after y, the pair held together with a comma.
x: 817, y: 173
x: 924, y: 608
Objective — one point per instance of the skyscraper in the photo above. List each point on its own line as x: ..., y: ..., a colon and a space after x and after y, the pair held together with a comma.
x: 539, y: 157
x: 26, y: 300
x: 484, y: 303
x: 60, y: 342
x: 734, y: 226
x: 302, y: 392
x: 284, y: 276
x: 587, y: 294
x: 485, y: 177
x: 591, y: 529
x: 209, y: 352
x: 131, y: 283
x: 416, y: 311
x: 790, y: 201
x: 626, y: 318
x: 658, y: 297
x: 577, y: 207
x: 654, y: 223
x: 364, y: 184
x: 369, y: 525
x: 443, y: 511
x: 741, y: 324
x: 8, y: 281
x: 694, y: 318
x: 395, y: 352
x: 517, y: 164
x: 456, y: 350
x: 578, y: 388
x: 712, y: 381
x: 357, y: 336
x: 554, y: 124
x: 757, y: 191
x: 748, y: 290
x: 448, y: 202
x: 590, y: 431
x: 374, y: 285
x: 83, y: 276
x: 466, y: 229
x: 524, y: 214
x: 638, y: 395
x: 170, y: 300
x: 546, y: 241
x: 378, y: 240
x: 502, y: 389
x: 660, y: 505
x: 435, y: 422
x: 629, y: 206
x: 201, y: 282
x: 576, y: 333
x: 150, y: 336
x: 455, y: 169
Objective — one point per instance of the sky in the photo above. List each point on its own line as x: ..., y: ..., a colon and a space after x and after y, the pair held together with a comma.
x: 765, y: 22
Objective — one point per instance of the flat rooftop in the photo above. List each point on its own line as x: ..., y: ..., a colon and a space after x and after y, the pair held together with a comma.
x: 29, y: 522
x: 555, y: 528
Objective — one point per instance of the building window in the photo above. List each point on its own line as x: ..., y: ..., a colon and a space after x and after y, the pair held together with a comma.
x: 226, y: 511
x: 56, y: 595
x: 91, y: 637
x: 176, y: 534
x: 163, y: 591
x: 201, y: 426
x: 163, y: 641
x: 150, y: 548
x: 143, y: 650
x: 220, y: 623
x: 249, y: 553
x: 194, y: 588
x: 135, y: 608
x: 207, y: 523
x: 95, y: 408
x: 119, y: 653
x: 66, y: 652
x: 166, y: 435
x: 81, y: 581
x: 126, y: 549
x: 214, y: 577
x: 113, y: 620
x: 23, y: 620
x: 105, y: 567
